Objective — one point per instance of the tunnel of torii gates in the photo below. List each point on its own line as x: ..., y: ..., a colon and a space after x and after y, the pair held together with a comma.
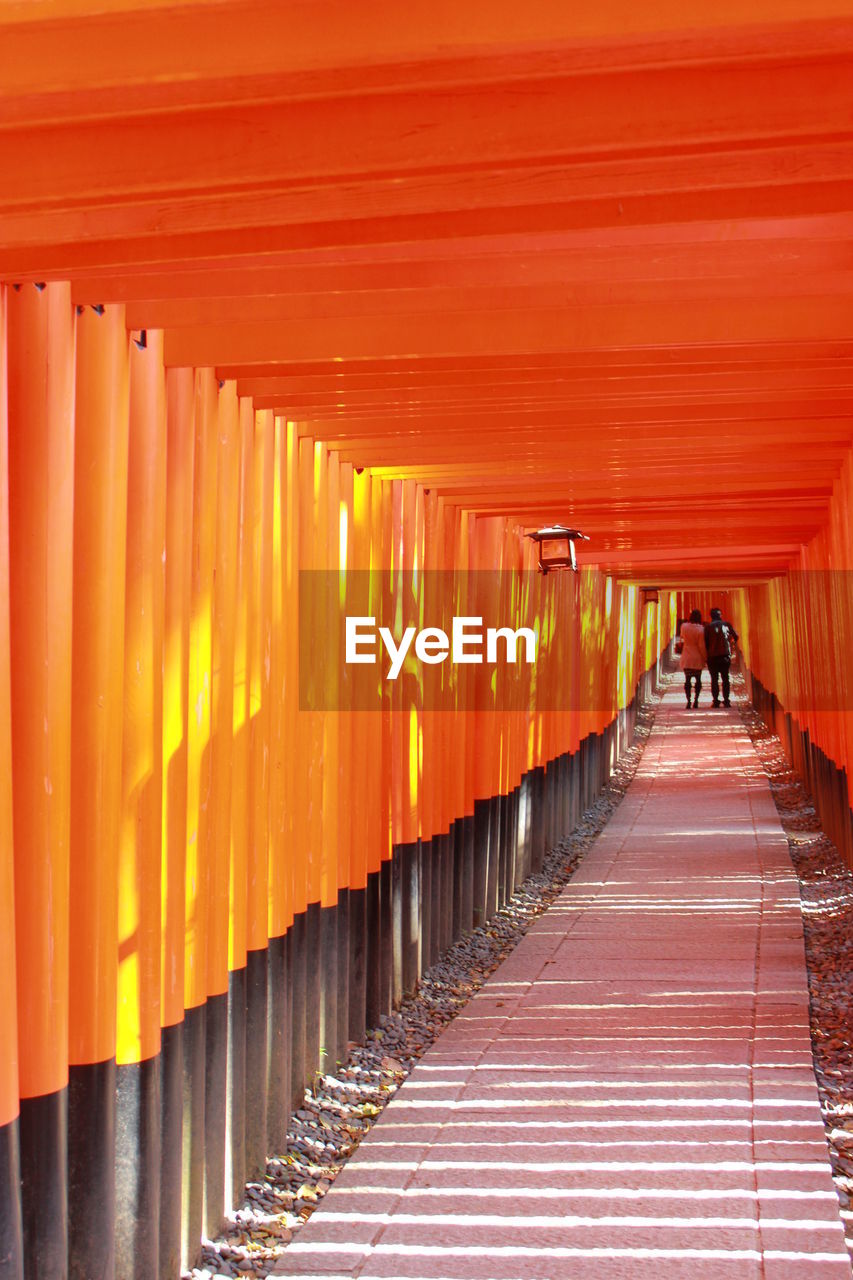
x: 300, y: 293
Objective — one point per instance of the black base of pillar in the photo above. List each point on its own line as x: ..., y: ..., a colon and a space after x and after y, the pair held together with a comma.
x: 11, y: 1234
x: 495, y: 804
x: 373, y: 984
x: 469, y: 857
x: 386, y: 945
x: 171, y: 1164
x: 482, y: 822
x: 138, y: 1136
x: 235, y: 1087
x: 357, y: 1024
x: 91, y: 1171
x: 328, y: 989
x: 192, y: 1147
x: 537, y: 820
x: 42, y: 1128
x: 420, y: 936
x: 278, y: 1046
x: 413, y: 908
x: 256, y: 1063
x: 296, y: 942
x: 312, y: 992
x: 342, y: 1033
x: 216, y: 1189
x: 397, y: 930
x: 457, y: 877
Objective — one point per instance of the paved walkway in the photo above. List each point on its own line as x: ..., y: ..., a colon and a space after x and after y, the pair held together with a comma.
x: 631, y: 1094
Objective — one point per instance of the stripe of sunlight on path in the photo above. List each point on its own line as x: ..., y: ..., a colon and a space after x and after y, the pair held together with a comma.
x: 631, y: 1094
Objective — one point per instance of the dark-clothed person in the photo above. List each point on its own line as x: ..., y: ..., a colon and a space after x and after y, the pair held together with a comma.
x: 720, y: 636
x: 693, y: 656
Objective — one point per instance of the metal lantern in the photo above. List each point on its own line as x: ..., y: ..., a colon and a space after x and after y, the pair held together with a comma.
x: 556, y: 547
x: 650, y: 595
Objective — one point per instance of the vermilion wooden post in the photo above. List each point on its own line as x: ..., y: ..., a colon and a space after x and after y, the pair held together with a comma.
x: 41, y: 512
x: 342, y: 529
x: 334, y: 989
x: 278, y: 908
x: 199, y: 806
x: 138, y: 1154
x: 97, y: 700
x: 296, y: 848
x: 257, y: 917
x: 11, y: 1242
x: 217, y: 1192
x: 239, y: 820
x: 360, y: 719
x: 180, y: 448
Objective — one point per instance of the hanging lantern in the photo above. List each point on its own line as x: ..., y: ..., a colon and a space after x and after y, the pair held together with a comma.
x: 556, y: 547
x: 650, y: 595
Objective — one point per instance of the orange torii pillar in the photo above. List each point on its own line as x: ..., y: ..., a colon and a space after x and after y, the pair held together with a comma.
x: 97, y: 673
x: 138, y: 1119
x: 280, y: 914
x: 217, y: 1199
x: 235, y: 1144
x: 308, y: 766
x: 11, y: 1243
x: 198, y: 811
x: 295, y: 809
x: 180, y: 452
x: 334, y: 892
x: 257, y: 917
x: 41, y: 510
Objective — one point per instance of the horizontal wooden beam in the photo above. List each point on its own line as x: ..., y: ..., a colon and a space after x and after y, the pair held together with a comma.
x: 696, y: 356
x: 649, y: 257
x: 512, y: 333
x: 304, y: 398
x: 143, y: 56
x: 764, y: 177
x: 460, y: 132
x: 443, y: 301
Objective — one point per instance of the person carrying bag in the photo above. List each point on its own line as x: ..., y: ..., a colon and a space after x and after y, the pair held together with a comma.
x: 720, y: 638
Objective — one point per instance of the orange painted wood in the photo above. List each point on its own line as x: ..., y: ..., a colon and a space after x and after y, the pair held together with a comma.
x: 750, y: 255
x: 41, y: 522
x: 279, y: 891
x: 260, y: 622
x: 507, y: 333
x: 97, y: 678
x: 633, y: 111
x: 149, y: 53
x: 200, y: 681
x: 241, y: 745
x: 180, y: 461
x: 141, y: 830
x: 229, y: 443
x: 9, y: 1082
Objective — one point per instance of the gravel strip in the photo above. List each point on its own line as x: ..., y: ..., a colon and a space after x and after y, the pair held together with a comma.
x: 340, y: 1109
x: 826, y: 896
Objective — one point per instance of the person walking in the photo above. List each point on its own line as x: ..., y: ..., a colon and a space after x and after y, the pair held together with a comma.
x: 720, y: 636
x: 693, y: 655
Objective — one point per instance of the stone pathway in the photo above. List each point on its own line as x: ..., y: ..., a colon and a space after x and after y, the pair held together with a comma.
x: 631, y: 1094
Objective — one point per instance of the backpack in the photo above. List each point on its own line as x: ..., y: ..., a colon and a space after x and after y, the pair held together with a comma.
x: 717, y: 643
